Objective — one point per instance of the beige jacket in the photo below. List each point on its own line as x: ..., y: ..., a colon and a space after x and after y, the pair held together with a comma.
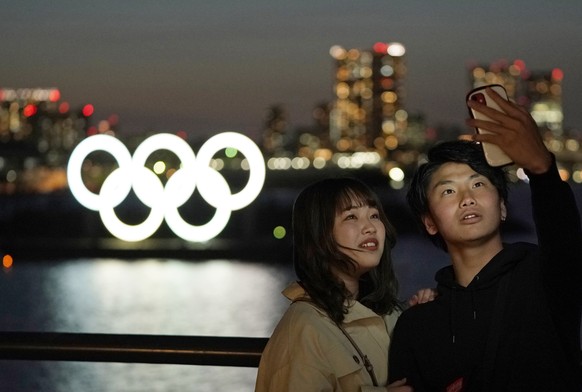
x: 307, y: 352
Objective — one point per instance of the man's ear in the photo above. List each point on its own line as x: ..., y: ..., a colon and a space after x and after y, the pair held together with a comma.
x: 503, y: 211
x: 429, y: 225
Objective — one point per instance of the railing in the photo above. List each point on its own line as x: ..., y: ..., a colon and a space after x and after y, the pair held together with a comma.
x: 161, y: 349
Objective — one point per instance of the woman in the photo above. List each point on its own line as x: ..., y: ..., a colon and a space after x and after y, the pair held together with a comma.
x: 336, y: 333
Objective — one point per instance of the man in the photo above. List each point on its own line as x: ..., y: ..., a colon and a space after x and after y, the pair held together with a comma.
x: 507, y: 317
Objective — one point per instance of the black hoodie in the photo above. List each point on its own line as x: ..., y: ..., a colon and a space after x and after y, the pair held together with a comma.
x: 516, y: 326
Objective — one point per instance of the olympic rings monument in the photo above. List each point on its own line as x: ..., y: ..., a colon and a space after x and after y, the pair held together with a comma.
x: 164, y: 201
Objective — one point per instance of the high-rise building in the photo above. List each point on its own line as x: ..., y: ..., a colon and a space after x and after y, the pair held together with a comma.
x: 276, y: 132
x: 512, y: 76
x: 368, y: 112
x: 540, y: 92
x: 38, y: 131
x: 544, y: 89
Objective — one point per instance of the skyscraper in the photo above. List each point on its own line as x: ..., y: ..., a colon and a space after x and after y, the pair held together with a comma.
x: 544, y: 89
x: 540, y: 91
x: 368, y: 110
x: 37, y: 133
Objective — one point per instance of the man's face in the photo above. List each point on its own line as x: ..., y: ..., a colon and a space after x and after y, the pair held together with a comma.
x: 464, y: 206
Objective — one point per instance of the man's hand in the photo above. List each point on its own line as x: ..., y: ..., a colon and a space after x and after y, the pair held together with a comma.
x: 514, y: 131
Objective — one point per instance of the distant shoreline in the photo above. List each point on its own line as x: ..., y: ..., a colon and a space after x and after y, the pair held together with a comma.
x: 55, y: 225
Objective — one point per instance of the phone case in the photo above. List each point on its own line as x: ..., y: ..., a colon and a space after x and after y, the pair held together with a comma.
x: 493, y: 154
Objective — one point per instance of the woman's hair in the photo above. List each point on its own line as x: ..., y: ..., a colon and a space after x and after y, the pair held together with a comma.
x: 316, y: 251
x: 457, y: 151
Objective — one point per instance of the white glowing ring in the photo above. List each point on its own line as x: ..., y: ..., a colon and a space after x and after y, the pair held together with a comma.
x: 220, y: 194
x: 163, y: 141
x: 256, y: 166
x: 106, y: 143
x: 164, y: 202
x: 109, y: 201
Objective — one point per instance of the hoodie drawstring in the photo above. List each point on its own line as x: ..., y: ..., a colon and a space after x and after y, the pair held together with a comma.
x: 452, y: 311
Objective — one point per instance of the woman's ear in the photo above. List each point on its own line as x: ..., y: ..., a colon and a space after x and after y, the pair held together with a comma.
x: 429, y: 225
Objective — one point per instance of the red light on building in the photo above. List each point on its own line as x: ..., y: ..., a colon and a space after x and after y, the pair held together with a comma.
x: 88, y: 110
x: 519, y: 64
x: 64, y: 107
x: 557, y: 74
x: 29, y: 110
x: 113, y: 119
x: 387, y: 83
x: 54, y: 95
x: 380, y: 47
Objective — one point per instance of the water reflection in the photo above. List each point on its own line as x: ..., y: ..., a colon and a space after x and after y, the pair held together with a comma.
x: 216, y: 297
x: 173, y: 297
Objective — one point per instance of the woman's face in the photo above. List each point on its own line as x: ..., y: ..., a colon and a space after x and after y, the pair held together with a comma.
x: 360, y: 234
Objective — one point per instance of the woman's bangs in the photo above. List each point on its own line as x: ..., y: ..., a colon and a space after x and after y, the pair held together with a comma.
x: 354, y: 198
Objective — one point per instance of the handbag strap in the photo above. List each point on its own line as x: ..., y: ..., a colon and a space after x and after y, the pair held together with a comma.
x: 367, y: 364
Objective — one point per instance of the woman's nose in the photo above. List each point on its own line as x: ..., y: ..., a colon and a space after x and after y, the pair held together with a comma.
x: 368, y: 227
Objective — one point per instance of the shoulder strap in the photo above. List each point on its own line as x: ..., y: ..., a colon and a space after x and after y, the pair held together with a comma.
x: 367, y: 364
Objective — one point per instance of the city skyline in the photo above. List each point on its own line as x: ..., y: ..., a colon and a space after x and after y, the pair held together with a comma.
x: 209, y: 67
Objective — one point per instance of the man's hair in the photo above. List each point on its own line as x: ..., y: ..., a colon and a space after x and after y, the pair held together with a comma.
x: 458, y: 151
x: 315, y: 250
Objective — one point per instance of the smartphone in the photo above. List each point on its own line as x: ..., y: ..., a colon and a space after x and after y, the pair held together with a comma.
x: 493, y: 154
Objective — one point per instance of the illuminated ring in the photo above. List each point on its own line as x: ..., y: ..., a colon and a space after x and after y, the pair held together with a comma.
x: 108, y: 192
x: 220, y: 195
x: 106, y: 143
x: 256, y: 166
x: 163, y: 141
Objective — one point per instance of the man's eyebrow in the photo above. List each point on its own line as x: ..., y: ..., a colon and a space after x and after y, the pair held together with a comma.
x: 447, y: 181
x: 441, y: 183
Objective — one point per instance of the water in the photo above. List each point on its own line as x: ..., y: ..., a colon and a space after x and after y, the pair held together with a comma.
x: 173, y: 297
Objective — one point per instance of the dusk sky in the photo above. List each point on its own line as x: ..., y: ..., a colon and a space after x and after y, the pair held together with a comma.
x: 210, y: 66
